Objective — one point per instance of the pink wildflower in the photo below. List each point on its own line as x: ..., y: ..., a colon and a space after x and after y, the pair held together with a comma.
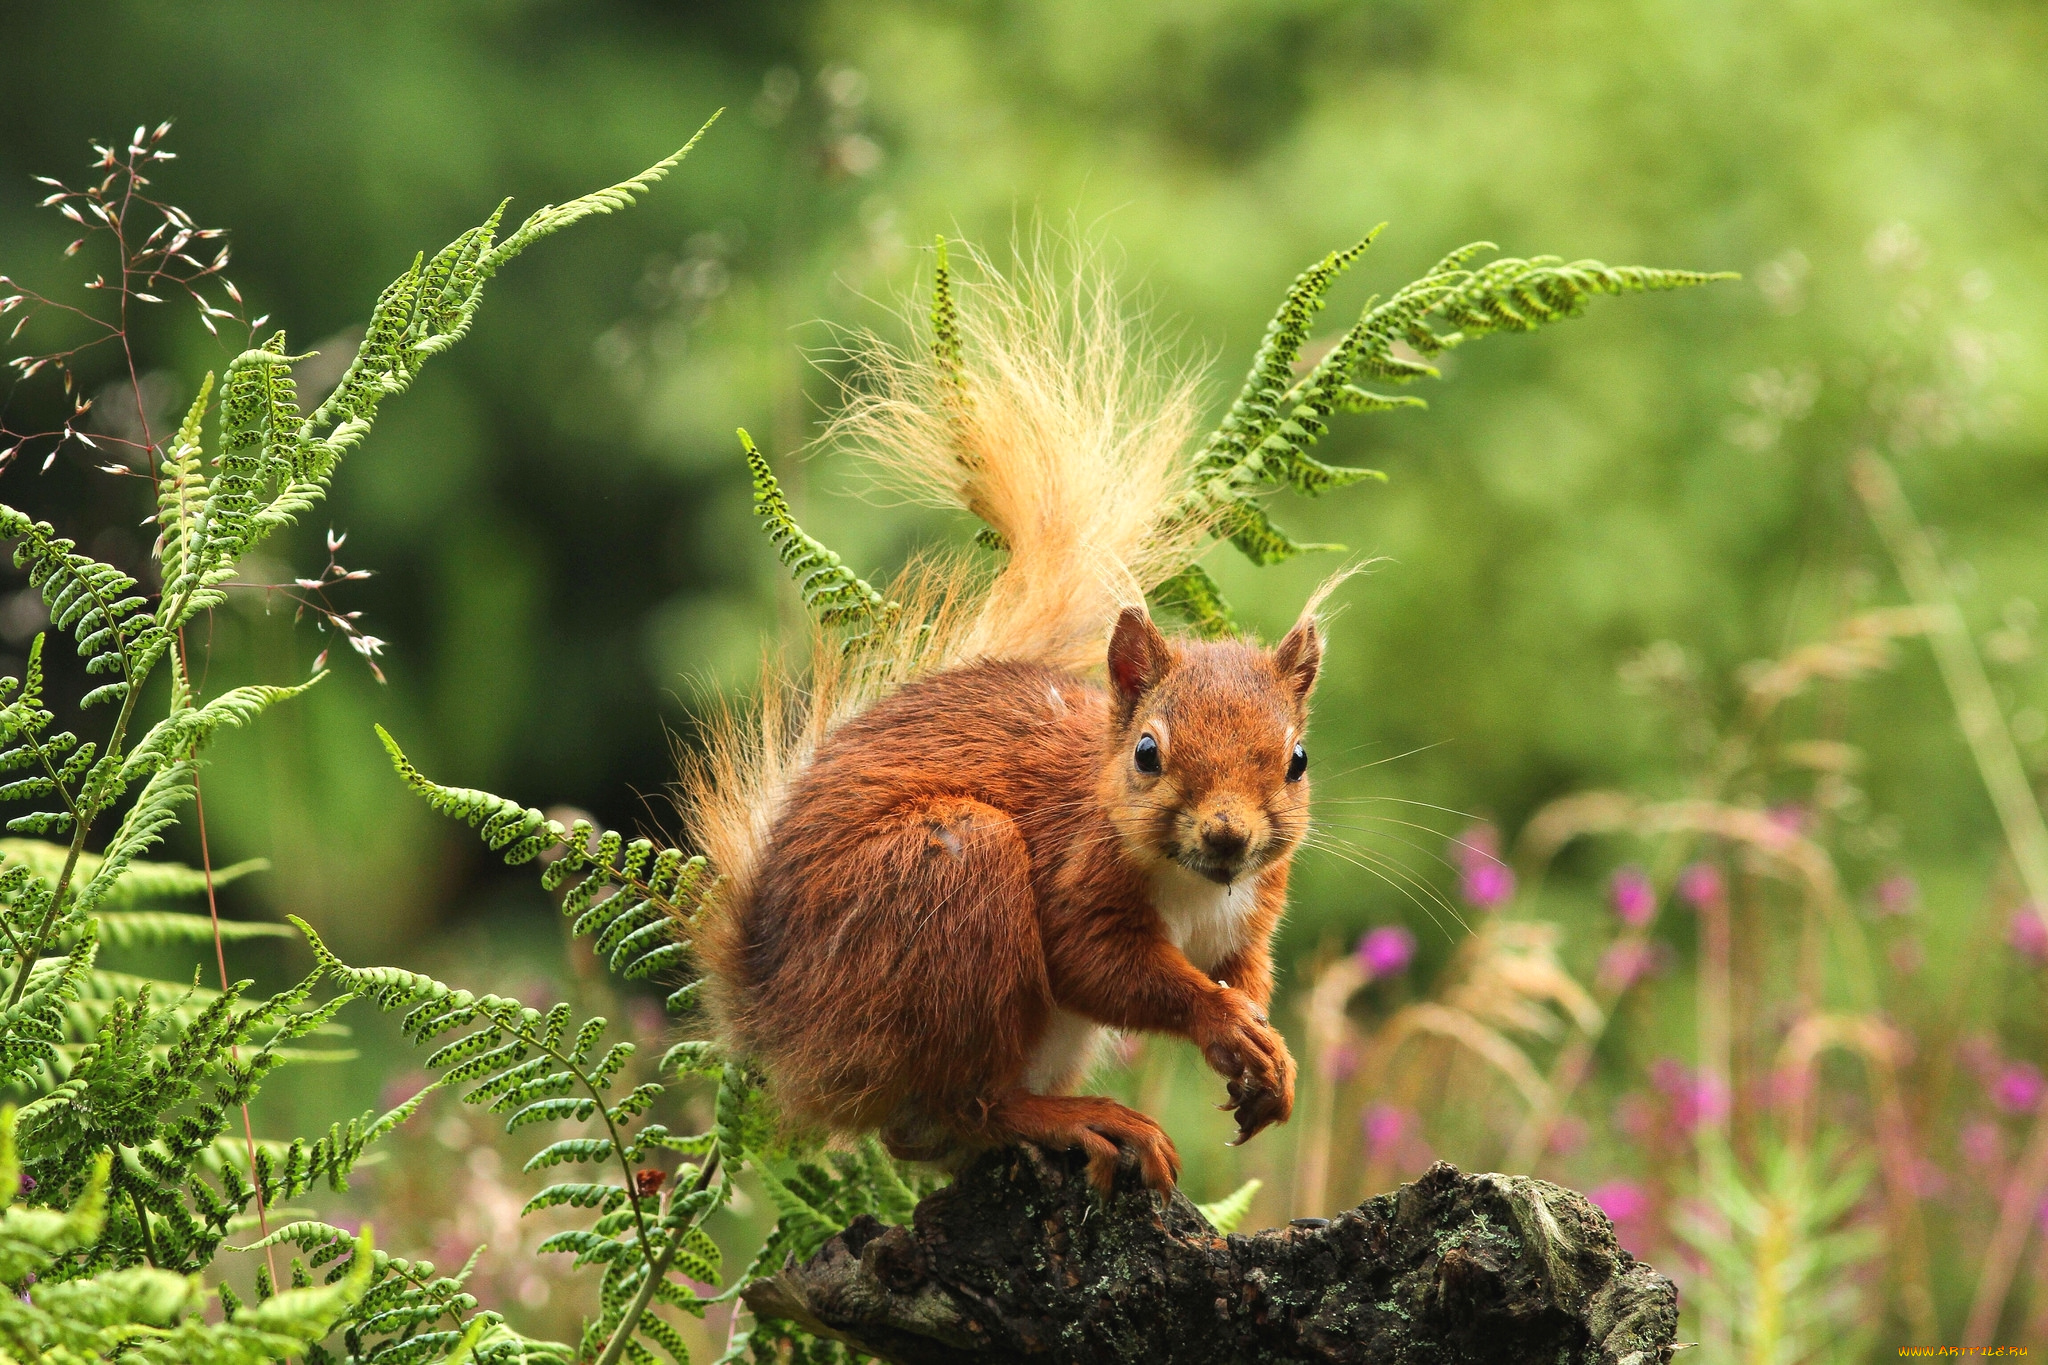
x: 1695, y: 1099
x: 1790, y: 816
x: 1386, y: 951
x: 1385, y: 1126
x: 1481, y: 841
x: 1700, y: 885
x: 1483, y: 879
x: 1898, y: 894
x: 2018, y: 1087
x: 1634, y: 899
x: 1621, y: 1200
x: 1626, y: 963
x: 1488, y: 885
x: 1627, y: 1205
x: 2027, y: 934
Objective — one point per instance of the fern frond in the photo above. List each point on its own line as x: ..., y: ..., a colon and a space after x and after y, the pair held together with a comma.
x: 492, y: 1053
x: 1227, y: 1213
x: 946, y: 351
x: 554, y: 218
x: 181, y: 495
x: 1520, y: 296
x: 143, y: 827
x: 1193, y: 597
x: 187, y: 729
x: 32, y: 1026
x: 814, y: 1202
x: 407, y: 1311
x: 1260, y: 405
x: 1263, y: 441
x: 135, y: 1079
x: 629, y: 898
x: 259, y: 419
x: 158, y: 1082
x: 1244, y: 523
x: 838, y: 596
x: 93, y: 601
x: 519, y: 1058
x: 310, y: 1314
x: 144, y: 882
x: 580, y: 1196
x: 154, y: 928
x: 24, y: 745
x: 275, y: 463
x: 31, y: 1238
x: 100, y: 990
x: 519, y: 832
x: 381, y: 365
x: 570, y: 1149
x: 945, y: 319
x: 895, y: 1200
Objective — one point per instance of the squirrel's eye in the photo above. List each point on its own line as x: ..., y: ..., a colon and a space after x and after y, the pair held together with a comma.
x: 1298, y: 764
x: 1147, y: 756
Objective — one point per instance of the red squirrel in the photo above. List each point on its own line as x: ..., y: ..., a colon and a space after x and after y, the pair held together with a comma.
x: 943, y: 890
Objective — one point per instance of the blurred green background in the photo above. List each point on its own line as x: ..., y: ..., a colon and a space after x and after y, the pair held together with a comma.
x: 557, y: 514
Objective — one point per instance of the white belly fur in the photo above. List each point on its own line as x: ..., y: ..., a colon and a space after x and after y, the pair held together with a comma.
x: 1205, y: 920
x: 1065, y: 1055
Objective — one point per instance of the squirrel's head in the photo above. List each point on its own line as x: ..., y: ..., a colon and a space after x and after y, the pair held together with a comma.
x: 1209, y: 764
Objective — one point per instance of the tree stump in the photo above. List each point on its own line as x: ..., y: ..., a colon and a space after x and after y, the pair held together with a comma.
x: 1020, y: 1261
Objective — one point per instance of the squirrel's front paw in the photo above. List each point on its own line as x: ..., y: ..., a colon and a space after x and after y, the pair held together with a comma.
x: 1250, y: 1054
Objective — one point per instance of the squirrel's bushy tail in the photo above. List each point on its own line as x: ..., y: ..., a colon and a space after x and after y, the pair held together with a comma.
x: 1041, y: 405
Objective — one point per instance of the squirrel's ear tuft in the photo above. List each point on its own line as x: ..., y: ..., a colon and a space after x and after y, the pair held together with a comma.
x: 1300, y: 655
x: 1138, y: 657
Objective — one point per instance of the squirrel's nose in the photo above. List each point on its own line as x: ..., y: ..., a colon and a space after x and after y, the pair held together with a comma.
x: 1224, y: 840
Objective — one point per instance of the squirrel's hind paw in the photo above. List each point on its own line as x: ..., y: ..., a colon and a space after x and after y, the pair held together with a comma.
x: 1100, y: 1127
x: 1106, y: 1141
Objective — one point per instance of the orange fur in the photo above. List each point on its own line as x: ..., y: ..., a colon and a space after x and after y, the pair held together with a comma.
x: 945, y: 863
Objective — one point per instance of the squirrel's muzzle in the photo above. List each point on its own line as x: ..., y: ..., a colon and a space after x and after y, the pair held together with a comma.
x: 1226, y: 834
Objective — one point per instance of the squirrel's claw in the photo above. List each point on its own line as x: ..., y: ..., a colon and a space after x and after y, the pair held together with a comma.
x: 1256, y: 1107
x: 1258, y: 1111
x: 1259, y: 1075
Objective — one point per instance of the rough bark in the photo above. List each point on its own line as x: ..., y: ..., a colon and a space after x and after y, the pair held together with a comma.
x: 1020, y: 1261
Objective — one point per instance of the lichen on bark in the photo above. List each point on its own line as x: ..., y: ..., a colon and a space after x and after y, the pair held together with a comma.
x: 1019, y: 1260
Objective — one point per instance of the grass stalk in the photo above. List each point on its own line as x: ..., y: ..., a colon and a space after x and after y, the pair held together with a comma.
x: 2019, y: 812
